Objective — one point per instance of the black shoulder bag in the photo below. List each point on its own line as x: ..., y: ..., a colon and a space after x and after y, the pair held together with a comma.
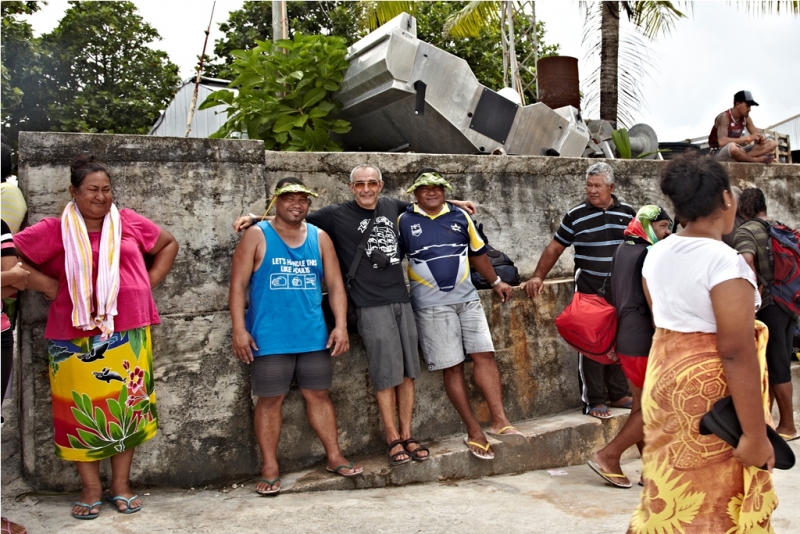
x: 352, y: 318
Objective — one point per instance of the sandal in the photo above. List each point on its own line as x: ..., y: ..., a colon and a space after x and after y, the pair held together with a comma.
x: 338, y: 470
x: 415, y: 453
x: 600, y: 411
x: 128, y: 509
x: 485, y: 448
x: 393, y: 461
x: 88, y: 507
x: 269, y: 484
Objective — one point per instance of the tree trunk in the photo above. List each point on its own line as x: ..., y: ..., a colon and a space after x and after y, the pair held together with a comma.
x: 609, y: 59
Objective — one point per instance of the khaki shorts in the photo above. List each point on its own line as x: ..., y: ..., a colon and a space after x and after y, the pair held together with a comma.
x: 724, y: 153
x: 446, y: 333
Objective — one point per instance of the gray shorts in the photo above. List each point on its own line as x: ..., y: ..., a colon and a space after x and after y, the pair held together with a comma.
x: 446, y: 333
x: 271, y: 376
x: 724, y: 153
x: 390, y: 337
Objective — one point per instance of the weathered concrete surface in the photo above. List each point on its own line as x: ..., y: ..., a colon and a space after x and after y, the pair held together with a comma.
x: 521, y: 199
x: 194, y: 188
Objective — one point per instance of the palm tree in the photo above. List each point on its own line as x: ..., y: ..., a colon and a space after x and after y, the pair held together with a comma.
x: 649, y: 18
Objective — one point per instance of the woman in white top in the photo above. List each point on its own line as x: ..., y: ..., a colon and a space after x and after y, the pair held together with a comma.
x: 703, y: 298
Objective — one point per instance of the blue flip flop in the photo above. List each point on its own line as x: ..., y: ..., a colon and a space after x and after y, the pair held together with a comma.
x: 89, y: 508
x: 128, y: 509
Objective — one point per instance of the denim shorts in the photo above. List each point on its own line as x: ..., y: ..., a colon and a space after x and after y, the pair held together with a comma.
x: 448, y: 332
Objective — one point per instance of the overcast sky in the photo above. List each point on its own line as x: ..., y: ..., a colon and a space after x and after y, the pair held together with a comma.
x: 715, y: 52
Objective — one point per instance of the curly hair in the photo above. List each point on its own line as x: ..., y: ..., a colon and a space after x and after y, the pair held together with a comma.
x: 752, y: 202
x: 695, y: 185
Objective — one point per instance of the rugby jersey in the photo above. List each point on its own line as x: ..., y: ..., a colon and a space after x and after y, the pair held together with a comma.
x: 595, y: 233
x: 438, y: 247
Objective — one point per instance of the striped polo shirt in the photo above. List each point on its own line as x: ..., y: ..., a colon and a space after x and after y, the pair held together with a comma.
x: 595, y: 233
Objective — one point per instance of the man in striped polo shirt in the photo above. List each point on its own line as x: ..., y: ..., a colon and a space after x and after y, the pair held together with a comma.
x: 595, y: 228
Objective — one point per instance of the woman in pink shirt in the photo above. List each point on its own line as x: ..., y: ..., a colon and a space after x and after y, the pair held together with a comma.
x: 90, y: 264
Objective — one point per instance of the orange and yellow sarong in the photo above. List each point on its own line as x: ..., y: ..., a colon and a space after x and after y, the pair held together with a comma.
x: 103, y: 397
x: 692, y: 483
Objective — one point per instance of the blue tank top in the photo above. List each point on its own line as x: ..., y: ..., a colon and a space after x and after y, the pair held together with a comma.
x: 285, y: 313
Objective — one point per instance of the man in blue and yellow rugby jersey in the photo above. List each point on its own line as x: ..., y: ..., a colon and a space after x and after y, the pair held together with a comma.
x: 441, y: 243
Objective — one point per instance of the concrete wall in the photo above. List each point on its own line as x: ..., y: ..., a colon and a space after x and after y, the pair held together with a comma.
x: 194, y: 188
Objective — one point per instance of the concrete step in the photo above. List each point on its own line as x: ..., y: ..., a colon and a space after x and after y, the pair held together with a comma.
x: 556, y: 441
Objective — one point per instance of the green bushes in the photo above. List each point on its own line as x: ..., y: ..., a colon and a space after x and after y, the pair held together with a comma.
x: 285, y: 99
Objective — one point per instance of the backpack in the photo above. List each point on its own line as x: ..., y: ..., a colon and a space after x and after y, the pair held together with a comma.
x: 502, y: 264
x: 784, y: 255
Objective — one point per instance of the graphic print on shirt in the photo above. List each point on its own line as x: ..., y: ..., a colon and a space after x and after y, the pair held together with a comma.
x: 293, y: 274
x: 445, y: 263
x: 383, y: 237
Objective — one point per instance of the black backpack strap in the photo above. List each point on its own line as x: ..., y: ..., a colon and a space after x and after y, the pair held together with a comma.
x: 351, y: 274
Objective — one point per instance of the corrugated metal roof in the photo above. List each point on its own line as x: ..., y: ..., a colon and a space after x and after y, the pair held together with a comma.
x: 172, y: 123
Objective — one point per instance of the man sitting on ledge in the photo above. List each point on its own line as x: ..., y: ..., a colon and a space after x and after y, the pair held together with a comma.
x: 441, y: 243
x: 726, y: 140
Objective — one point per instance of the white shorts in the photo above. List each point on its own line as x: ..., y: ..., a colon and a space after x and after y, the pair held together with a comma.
x: 446, y: 333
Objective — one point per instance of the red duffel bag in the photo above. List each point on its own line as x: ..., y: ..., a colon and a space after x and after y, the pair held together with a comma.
x: 589, y: 325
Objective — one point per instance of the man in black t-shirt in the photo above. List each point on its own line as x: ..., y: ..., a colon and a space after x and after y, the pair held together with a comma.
x: 385, y: 317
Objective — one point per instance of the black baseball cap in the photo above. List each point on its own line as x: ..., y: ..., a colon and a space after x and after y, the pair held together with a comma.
x: 744, y: 96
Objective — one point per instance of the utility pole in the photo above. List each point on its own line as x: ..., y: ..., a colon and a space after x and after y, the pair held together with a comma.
x: 279, y: 23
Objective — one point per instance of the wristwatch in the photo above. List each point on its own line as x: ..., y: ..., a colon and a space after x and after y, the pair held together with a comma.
x: 496, y: 282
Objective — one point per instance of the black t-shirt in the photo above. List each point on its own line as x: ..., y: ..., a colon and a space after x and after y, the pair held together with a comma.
x: 635, y: 328
x: 346, y: 223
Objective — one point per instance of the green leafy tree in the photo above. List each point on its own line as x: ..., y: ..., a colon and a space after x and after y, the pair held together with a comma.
x: 254, y: 22
x: 21, y: 71
x: 285, y: 99
x: 101, y: 74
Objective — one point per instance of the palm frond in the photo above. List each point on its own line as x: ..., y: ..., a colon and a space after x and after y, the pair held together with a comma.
x: 377, y: 12
x: 770, y: 7
x: 474, y: 17
x: 635, y: 64
x: 656, y: 17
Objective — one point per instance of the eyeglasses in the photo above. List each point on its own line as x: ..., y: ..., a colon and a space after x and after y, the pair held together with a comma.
x: 372, y: 184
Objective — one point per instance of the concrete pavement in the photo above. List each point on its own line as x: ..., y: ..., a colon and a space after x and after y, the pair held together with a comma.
x: 577, y: 502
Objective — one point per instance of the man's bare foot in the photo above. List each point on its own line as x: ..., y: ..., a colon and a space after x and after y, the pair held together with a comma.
x: 416, y: 450
x: 343, y: 467
x: 479, y: 447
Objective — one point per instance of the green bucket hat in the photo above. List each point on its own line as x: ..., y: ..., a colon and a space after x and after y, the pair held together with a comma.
x: 288, y: 188
x: 429, y: 178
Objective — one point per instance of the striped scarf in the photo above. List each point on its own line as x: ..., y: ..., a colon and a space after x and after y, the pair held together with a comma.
x: 78, y: 267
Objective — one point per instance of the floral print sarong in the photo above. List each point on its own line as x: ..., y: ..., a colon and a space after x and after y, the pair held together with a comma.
x: 692, y: 483
x: 103, y: 396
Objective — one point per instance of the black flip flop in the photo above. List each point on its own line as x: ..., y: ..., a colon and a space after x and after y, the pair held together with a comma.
x: 415, y: 453
x: 393, y: 461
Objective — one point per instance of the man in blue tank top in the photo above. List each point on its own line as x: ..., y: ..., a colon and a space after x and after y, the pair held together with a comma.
x: 284, y: 261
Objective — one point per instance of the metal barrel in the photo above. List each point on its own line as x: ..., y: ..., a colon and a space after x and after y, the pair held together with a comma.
x: 559, y: 84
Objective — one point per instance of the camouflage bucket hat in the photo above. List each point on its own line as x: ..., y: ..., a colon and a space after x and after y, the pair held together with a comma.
x: 429, y: 178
